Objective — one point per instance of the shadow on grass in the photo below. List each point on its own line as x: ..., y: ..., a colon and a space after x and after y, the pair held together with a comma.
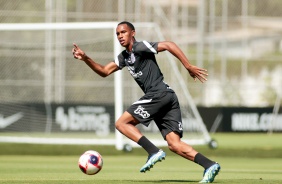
x: 164, y: 181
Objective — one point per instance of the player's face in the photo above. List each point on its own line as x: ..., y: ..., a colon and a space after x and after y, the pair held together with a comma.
x: 125, y: 35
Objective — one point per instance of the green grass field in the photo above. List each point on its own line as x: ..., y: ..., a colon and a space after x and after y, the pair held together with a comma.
x: 125, y: 169
x: 245, y: 158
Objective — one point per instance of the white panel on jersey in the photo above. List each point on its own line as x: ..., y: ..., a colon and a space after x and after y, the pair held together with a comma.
x: 142, y: 101
x: 117, y: 61
x: 150, y: 47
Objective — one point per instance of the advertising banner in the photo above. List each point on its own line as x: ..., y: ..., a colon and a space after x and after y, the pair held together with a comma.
x: 100, y: 119
x: 242, y: 119
x: 57, y: 118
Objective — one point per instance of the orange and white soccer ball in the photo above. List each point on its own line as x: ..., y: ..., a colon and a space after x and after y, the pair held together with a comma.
x: 90, y: 162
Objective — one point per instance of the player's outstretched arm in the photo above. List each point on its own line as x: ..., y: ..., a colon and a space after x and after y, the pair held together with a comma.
x: 194, y: 71
x: 101, y: 70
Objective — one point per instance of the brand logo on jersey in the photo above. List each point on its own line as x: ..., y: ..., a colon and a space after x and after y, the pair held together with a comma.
x: 132, y: 72
x: 131, y: 59
x: 141, y: 112
x: 180, y: 126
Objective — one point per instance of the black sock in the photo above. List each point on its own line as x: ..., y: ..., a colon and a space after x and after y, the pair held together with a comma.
x: 203, y: 161
x: 147, y: 145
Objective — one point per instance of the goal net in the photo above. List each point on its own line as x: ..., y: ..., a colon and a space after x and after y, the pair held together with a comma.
x: 48, y: 97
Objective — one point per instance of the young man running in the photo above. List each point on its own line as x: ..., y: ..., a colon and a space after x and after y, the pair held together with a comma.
x: 159, y: 103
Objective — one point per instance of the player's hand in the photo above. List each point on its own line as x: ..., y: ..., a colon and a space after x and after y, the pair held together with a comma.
x: 198, y: 73
x: 78, y: 53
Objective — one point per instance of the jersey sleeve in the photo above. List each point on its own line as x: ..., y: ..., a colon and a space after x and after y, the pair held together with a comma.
x: 119, y: 61
x: 151, y: 47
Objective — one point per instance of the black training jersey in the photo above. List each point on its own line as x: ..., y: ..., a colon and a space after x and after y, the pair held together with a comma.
x: 142, y: 65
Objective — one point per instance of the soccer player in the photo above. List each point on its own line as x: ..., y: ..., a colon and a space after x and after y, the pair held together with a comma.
x: 159, y: 103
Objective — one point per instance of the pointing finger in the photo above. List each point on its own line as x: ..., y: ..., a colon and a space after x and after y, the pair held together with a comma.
x: 75, y: 46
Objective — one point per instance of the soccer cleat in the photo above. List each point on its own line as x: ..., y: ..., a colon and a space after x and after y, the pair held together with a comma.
x: 152, y: 160
x: 210, y: 173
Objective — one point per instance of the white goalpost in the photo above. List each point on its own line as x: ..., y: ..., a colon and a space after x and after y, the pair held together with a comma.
x: 53, y: 81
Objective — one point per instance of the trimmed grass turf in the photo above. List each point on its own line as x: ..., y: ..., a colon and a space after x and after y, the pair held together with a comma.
x: 245, y: 158
x: 259, y: 145
x: 125, y: 170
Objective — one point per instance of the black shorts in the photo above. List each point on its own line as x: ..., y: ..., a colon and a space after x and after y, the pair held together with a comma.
x: 161, y: 107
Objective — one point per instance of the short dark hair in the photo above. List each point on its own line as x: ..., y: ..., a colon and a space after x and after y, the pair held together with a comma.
x: 128, y: 24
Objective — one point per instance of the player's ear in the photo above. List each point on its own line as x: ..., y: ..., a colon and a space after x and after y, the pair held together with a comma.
x: 133, y: 32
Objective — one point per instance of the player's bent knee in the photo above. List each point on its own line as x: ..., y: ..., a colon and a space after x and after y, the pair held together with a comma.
x: 118, y: 125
